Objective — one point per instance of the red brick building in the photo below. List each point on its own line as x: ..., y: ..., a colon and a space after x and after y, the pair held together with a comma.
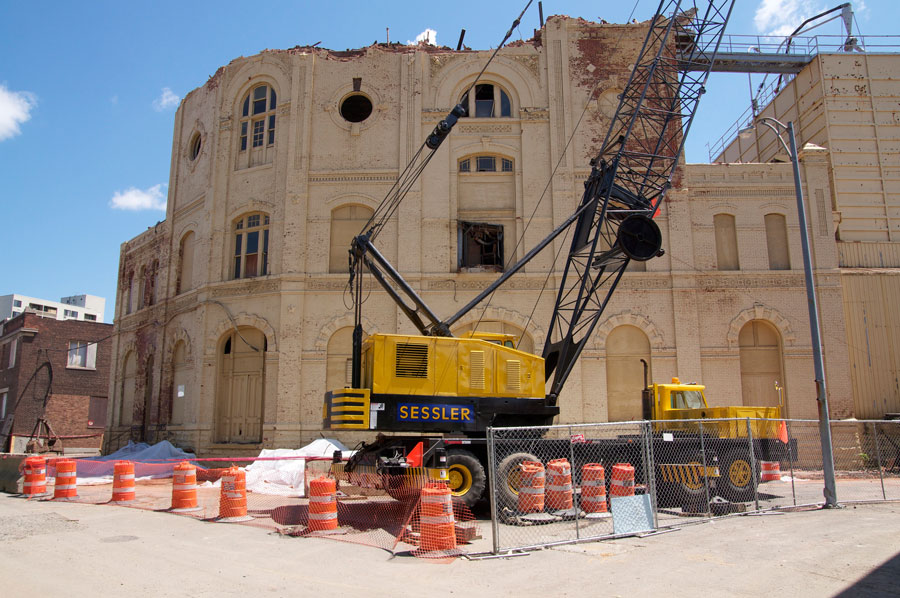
x: 58, y: 372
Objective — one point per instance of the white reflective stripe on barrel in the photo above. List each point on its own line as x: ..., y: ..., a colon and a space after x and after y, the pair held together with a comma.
x: 436, y: 499
x: 66, y: 474
x: 65, y: 486
x: 530, y: 490
x: 40, y: 471
x: 622, y: 482
x: 123, y: 490
x: 125, y: 476
x: 184, y: 486
x: 323, y: 499
x: 233, y: 495
x: 323, y: 516
x: 601, y: 498
x: 563, y: 488
x: 590, y: 483
x: 436, y: 519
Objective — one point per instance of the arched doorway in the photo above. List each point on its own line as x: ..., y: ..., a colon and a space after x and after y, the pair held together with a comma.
x: 339, y: 359
x: 241, y: 386
x: 762, y: 363
x: 625, y: 347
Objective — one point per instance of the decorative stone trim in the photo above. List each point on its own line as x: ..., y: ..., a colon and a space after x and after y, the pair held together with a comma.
x: 629, y: 318
x: 760, y: 312
x: 242, y: 319
x: 179, y: 335
x: 335, y: 324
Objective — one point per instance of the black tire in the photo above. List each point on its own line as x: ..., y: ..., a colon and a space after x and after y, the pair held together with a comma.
x: 736, y: 478
x: 507, y: 482
x: 466, y: 476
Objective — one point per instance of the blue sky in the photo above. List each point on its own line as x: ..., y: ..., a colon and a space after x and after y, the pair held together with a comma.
x: 88, y: 93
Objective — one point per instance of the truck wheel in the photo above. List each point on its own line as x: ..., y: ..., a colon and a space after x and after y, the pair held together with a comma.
x: 736, y: 476
x: 466, y: 476
x: 508, y: 479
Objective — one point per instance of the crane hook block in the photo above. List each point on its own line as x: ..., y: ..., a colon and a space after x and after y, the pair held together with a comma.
x: 639, y: 238
x: 443, y: 128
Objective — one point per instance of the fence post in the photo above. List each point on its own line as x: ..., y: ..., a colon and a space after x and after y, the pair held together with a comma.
x: 650, y: 468
x: 575, y: 500
x: 791, y: 460
x: 878, y: 453
x: 492, y: 480
x: 753, y: 464
x: 705, y: 477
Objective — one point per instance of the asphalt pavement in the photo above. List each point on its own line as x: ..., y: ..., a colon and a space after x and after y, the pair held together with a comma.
x: 67, y: 549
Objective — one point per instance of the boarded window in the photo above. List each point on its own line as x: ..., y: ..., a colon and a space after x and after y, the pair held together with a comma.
x: 625, y: 347
x: 346, y: 223
x: 777, y: 242
x: 185, y: 281
x: 726, y: 242
x: 761, y: 363
x: 412, y: 360
x: 97, y: 412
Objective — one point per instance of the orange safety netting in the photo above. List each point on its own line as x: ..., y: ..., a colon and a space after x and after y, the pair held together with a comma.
x: 218, y: 490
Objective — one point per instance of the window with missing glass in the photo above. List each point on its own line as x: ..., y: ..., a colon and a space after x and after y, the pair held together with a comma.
x: 251, y: 246
x: 485, y: 163
x: 487, y: 100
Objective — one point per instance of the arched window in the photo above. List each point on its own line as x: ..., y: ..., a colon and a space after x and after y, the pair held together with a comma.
x: 142, y: 287
x: 129, y: 304
x: 251, y: 246
x: 485, y: 163
x: 257, y: 125
x: 777, y: 242
x: 726, y: 242
x: 185, y: 280
x: 487, y: 101
x: 127, y: 389
x: 625, y: 347
x: 346, y: 223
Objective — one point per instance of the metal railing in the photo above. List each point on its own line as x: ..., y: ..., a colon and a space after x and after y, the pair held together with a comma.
x: 659, y: 475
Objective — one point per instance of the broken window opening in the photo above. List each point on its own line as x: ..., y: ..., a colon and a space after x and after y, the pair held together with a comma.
x: 480, y: 247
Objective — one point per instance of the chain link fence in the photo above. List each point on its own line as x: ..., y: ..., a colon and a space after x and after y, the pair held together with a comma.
x: 564, y: 484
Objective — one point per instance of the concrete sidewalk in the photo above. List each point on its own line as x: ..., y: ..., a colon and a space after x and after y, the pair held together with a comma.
x: 73, y: 550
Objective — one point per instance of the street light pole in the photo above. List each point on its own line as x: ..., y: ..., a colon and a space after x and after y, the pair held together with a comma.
x: 812, y: 303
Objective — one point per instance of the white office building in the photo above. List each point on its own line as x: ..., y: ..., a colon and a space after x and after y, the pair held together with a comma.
x: 76, y: 307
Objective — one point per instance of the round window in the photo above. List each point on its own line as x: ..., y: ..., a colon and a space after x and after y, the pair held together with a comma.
x: 195, y: 146
x: 356, y: 108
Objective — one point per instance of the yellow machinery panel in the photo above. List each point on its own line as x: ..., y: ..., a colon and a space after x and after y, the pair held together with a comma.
x: 346, y: 409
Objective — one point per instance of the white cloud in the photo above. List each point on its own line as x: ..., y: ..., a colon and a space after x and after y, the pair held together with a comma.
x: 782, y: 17
x: 166, y: 100
x: 15, y: 109
x: 135, y: 199
x: 429, y: 36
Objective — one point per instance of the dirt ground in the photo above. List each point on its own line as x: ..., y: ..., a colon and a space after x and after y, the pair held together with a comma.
x: 72, y: 549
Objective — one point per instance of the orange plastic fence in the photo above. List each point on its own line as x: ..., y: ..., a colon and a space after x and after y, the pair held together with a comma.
x: 364, y: 508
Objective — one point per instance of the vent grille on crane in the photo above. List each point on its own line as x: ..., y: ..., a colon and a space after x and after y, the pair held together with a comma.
x: 412, y: 360
x: 513, y: 375
x: 476, y: 373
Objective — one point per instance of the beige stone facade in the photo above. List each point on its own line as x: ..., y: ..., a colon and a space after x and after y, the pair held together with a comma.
x: 233, y: 316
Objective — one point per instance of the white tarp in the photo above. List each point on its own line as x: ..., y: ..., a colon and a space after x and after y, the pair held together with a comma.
x: 280, y: 472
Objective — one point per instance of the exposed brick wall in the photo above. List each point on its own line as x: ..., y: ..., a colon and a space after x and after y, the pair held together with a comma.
x: 43, y: 340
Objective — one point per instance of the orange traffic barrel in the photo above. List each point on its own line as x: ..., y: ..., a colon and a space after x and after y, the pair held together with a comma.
x: 123, y: 482
x: 559, y: 484
x: 233, y: 496
x: 770, y: 471
x: 322, y: 504
x: 184, y: 488
x: 593, y: 488
x: 35, y: 477
x: 621, y: 481
x: 438, y: 526
x: 66, y: 484
x: 531, y: 487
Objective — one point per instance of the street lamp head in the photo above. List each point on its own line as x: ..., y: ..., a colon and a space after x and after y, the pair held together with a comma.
x: 746, y: 132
